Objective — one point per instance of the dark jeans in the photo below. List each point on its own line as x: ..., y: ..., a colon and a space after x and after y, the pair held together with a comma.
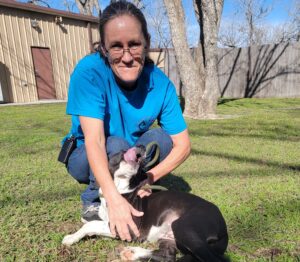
x: 79, y: 168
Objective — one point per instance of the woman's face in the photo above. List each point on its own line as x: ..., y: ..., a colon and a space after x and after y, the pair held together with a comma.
x: 125, y: 48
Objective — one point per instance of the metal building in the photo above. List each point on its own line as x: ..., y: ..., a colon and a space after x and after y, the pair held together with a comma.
x: 39, y: 48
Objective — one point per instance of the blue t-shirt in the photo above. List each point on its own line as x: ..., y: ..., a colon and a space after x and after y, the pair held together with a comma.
x: 93, y: 92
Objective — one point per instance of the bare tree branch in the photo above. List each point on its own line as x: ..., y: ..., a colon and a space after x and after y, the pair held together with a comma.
x: 88, y: 7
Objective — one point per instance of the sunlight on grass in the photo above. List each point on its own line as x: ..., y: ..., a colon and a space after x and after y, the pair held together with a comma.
x: 247, y: 164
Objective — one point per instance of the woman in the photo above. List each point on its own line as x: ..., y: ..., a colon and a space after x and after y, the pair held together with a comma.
x: 114, y: 97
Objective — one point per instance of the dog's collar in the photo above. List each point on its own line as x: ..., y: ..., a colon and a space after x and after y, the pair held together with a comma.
x: 154, y: 187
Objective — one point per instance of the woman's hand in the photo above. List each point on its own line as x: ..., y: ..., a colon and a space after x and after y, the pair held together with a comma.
x: 144, y: 192
x: 120, y: 214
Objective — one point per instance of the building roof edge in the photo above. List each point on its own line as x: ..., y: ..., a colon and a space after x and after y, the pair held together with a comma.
x: 46, y: 10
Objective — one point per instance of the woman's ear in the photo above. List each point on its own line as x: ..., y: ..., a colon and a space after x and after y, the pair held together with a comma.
x: 148, y: 42
x: 103, y: 50
x: 147, y: 47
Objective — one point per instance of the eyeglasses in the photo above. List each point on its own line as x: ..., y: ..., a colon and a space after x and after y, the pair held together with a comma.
x: 135, y: 50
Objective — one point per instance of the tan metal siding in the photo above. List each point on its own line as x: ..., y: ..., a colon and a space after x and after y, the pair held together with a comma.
x: 95, y: 33
x: 8, y: 52
x: 67, y: 42
x: 28, y: 83
x: 5, y: 72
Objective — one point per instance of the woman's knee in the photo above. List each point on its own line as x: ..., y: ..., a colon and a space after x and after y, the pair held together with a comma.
x: 159, y: 136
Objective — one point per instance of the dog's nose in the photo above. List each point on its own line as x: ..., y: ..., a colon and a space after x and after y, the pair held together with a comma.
x: 140, y: 151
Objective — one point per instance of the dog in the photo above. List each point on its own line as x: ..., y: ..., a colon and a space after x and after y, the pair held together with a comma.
x: 175, y: 220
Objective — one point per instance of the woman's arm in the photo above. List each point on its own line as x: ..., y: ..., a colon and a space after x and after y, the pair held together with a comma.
x: 120, y: 211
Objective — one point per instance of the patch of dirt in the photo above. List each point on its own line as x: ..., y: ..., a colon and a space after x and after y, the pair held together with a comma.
x: 268, y: 252
x: 69, y: 227
x: 66, y: 253
x: 259, y: 253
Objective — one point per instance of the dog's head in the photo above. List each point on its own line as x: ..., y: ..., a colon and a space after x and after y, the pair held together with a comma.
x: 126, y: 168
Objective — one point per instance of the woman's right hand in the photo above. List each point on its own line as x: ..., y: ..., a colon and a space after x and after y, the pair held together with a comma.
x: 120, y: 214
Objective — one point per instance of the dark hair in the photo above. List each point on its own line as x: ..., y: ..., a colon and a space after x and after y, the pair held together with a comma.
x: 119, y: 8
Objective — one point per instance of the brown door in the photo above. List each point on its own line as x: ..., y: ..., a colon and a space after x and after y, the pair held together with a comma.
x: 43, y: 72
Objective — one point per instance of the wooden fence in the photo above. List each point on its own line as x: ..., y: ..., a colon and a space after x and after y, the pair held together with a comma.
x: 258, y: 71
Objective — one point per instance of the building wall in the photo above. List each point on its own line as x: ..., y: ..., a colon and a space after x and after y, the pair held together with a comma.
x: 68, y: 42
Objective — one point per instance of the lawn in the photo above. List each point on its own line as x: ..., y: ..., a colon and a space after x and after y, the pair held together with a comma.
x: 247, y: 163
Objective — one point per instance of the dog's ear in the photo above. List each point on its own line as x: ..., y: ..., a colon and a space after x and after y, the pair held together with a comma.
x: 114, y: 162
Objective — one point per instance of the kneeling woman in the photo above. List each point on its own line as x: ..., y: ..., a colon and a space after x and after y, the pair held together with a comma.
x: 115, y: 95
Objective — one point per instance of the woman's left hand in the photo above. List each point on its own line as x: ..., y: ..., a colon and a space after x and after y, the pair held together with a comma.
x: 144, y: 192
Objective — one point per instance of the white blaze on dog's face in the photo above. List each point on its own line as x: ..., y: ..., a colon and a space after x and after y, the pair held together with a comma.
x: 128, y: 167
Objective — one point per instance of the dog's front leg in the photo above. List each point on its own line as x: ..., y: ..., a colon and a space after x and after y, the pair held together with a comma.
x: 93, y: 228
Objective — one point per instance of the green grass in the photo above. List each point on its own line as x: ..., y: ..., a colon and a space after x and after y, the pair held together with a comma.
x: 247, y: 164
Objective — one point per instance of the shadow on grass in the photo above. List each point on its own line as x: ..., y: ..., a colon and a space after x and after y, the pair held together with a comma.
x: 222, y: 101
x: 175, y: 183
x: 247, y: 159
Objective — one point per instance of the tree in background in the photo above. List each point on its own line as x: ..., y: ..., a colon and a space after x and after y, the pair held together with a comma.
x: 158, y: 24
x: 295, y: 15
x: 198, y: 73
x: 88, y: 7
x: 249, y: 29
x: 248, y: 25
x: 39, y: 2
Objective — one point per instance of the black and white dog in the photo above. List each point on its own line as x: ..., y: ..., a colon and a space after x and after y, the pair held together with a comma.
x: 176, y: 220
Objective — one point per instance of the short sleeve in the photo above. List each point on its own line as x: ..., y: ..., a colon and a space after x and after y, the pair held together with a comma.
x: 171, y: 119
x: 86, y: 95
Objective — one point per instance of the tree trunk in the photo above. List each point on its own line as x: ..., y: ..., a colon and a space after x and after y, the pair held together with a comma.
x: 80, y: 6
x: 188, y: 69
x: 209, y: 21
x: 199, y: 74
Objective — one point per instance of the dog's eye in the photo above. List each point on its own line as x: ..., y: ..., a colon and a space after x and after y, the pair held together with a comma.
x: 138, y: 155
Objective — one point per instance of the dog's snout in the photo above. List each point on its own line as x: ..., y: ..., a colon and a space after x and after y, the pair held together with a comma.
x: 135, y: 154
x: 140, y: 151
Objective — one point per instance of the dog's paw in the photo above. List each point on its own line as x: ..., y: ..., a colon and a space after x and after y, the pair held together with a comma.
x: 126, y: 254
x: 68, y: 240
x: 134, y: 253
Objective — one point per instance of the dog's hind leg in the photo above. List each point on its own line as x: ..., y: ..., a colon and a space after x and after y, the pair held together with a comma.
x: 166, y: 251
x: 93, y: 228
x: 201, y: 235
